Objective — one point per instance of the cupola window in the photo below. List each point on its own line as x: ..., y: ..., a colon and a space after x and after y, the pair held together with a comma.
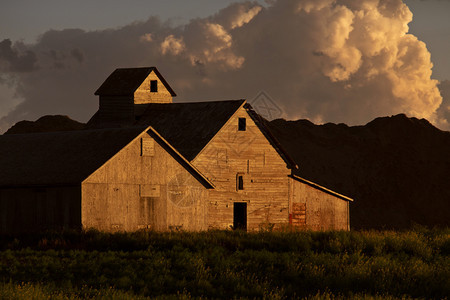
x: 154, y: 86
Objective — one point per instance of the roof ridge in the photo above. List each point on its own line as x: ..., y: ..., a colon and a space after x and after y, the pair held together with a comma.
x: 213, y: 101
x: 136, y: 68
x: 68, y: 132
x: 197, y: 102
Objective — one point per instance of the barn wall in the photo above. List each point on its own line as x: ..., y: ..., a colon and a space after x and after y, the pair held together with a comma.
x: 134, y: 191
x: 317, y: 210
x: 232, y: 153
x: 143, y: 95
x: 39, y: 208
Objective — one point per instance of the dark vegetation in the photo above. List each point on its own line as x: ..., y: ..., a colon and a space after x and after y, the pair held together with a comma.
x: 225, y: 264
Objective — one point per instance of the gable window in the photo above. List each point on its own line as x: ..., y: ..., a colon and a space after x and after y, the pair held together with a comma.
x: 239, y: 182
x: 242, y: 125
x: 154, y: 86
x: 147, y: 147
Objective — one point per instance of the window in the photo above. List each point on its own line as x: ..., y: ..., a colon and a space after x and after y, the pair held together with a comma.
x: 147, y: 147
x: 154, y: 86
x: 242, y: 124
x: 239, y: 182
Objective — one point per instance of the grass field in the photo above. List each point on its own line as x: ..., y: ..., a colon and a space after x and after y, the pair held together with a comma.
x: 225, y: 264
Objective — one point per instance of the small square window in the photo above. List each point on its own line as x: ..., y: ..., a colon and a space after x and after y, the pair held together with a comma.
x: 154, y: 86
x: 242, y: 125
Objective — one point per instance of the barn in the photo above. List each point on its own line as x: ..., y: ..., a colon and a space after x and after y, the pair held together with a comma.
x: 217, y: 167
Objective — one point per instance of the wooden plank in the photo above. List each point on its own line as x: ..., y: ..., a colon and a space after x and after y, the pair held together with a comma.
x: 150, y: 190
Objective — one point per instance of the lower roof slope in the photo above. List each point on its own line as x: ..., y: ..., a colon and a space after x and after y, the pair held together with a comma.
x: 59, y: 157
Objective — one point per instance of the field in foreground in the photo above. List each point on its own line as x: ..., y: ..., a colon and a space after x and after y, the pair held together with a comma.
x: 224, y: 264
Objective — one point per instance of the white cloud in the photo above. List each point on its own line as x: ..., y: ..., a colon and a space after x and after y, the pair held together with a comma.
x: 172, y: 45
x: 244, y: 16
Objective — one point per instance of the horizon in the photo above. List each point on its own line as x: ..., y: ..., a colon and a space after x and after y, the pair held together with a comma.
x: 53, y: 117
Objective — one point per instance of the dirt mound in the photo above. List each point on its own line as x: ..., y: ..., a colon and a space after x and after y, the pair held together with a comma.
x: 396, y: 168
x: 46, y: 124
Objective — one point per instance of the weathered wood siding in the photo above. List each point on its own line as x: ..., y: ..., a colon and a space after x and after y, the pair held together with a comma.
x: 32, y: 209
x: 143, y: 94
x: 323, y: 210
x: 149, y: 189
x: 232, y: 153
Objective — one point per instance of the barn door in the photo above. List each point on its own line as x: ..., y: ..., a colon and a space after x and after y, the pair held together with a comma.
x: 240, y: 216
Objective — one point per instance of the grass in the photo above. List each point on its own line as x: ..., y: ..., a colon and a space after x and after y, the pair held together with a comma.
x: 226, y: 264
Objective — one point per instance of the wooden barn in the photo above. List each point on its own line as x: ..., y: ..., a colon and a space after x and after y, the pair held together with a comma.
x: 146, y: 162
x: 254, y: 186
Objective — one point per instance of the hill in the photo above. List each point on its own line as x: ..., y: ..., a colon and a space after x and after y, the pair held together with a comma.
x: 396, y: 168
x: 46, y: 124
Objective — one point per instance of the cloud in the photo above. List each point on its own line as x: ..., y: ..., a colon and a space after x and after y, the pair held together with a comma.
x: 236, y: 15
x: 69, y: 66
x: 327, y: 60
x: 15, y: 59
x: 78, y: 55
x: 172, y: 45
x: 443, y: 113
x: 146, y: 37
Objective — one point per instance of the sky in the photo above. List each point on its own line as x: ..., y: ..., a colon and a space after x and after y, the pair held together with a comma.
x: 342, y: 61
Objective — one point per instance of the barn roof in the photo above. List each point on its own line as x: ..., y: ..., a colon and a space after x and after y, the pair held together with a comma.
x: 58, y: 157
x: 61, y: 158
x: 124, y: 82
x: 189, y: 126
x: 321, y: 188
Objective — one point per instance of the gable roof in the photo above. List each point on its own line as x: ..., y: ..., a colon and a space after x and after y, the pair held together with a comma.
x: 58, y: 158
x: 124, y: 82
x: 189, y: 126
x: 62, y: 158
x: 180, y: 158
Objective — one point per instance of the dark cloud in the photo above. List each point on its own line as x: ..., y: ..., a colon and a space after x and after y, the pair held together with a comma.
x: 77, y: 55
x: 12, y: 60
x: 339, y: 61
